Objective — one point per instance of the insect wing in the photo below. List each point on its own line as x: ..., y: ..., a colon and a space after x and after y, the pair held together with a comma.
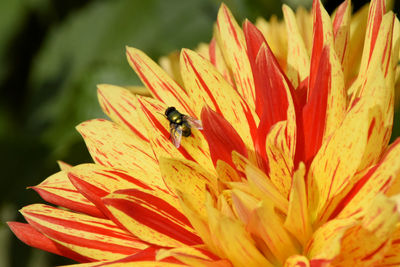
x: 176, y: 135
x: 193, y: 122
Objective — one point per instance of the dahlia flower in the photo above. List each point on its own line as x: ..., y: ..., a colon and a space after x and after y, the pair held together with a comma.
x: 292, y: 166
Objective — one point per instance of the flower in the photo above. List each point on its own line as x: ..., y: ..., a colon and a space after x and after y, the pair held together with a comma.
x: 292, y: 168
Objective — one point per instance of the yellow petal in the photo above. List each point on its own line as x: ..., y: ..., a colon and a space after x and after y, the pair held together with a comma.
x: 206, y: 84
x: 350, y: 149
x: 218, y: 61
x: 378, y: 179
x: 260, y: 184
x: 297, y: 221
x: 162, y: 87
x: 231, y: 40
x: 325, y: 243
x: 122, y: 107
x: 266, y: 224
x: 367, y: 243
x: 189, y: 177
x: 243, y: 204
x: 341, y: 31
x: 298, y: 60
x: 233, y: 241
x: 113, y: 146
x: 280, y: 160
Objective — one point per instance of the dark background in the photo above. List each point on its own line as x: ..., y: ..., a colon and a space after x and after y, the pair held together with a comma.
x: 52, y: 55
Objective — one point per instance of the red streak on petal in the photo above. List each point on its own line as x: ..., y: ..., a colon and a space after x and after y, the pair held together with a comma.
x: 80, y: 241
x: 204, y: 86
x: 143, y: 211
x: 122, y: 118
x: 129, y: 178
x: 376, y: 23
x: 68, y: 203
x: 30, y: 236
x: 212, y: 52
x: 369, y: 256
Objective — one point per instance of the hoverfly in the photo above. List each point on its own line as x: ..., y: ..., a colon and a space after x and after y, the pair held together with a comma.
x: 180, y: 125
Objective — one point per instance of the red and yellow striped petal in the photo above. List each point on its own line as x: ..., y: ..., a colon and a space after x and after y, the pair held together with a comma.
x: 344, y: 154
x: 232, y: 241
x: 30, y: 236
x: 392, y: 256
x: 91, y: 237
x: 367, y: 243
x: 206, y: 84
x: 341, y: 32
x: 280, y: 160
x: 111, y: 145
x: 162, y: 87
x: 216, y: 58
x: 58, y: 190
x: 266, y: 224
x: 243, y: 205
x: 298, y: 60
x: 95, y: 181
x: 193, y: 147
x: 190, y: 178
x: 325, y: 243
x: 122, y: 107
x: 297, y: 221
x: 231, y: 40
x: 378, y: 180
x: 149, y: 216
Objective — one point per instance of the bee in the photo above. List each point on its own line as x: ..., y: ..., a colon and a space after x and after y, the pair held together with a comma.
x: 180, y: 125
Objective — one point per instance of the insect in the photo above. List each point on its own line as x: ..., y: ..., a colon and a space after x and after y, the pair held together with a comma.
x: 180, y: 125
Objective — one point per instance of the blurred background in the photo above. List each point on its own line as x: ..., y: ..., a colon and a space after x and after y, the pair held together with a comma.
x: 52, y: 55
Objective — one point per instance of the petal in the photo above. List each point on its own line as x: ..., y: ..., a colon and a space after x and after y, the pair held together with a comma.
x: 193, y: 147
x: 377, y: 180
x: 297, y: 221
x: 298, y: 61
x: 351, y: 149
x: 112, y: 146
x: 222, y: 138
x: 297, y: 261
x: 122, y: 107
x: 58, y: 190
x: 94, y: 238
x: 367, y: 243
x: 341, y: 32
x: 231, y: 40
x: 280, y: 160
x: 162, y: 87
x: 266, y: 224
x: 216, y: 58
x: 206, y: 84
x: 392, y: 256
x: 150, y: 217
x: 260, y: 184
x: 95, y: 181
x: 243, y: 205
x: 325, y: 243
x: 30, y: 236
x: 233, y: 241
x: 190, y: 178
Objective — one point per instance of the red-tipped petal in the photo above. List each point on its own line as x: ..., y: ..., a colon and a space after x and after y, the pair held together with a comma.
x: 30, y: 236
x: 58, y: 190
